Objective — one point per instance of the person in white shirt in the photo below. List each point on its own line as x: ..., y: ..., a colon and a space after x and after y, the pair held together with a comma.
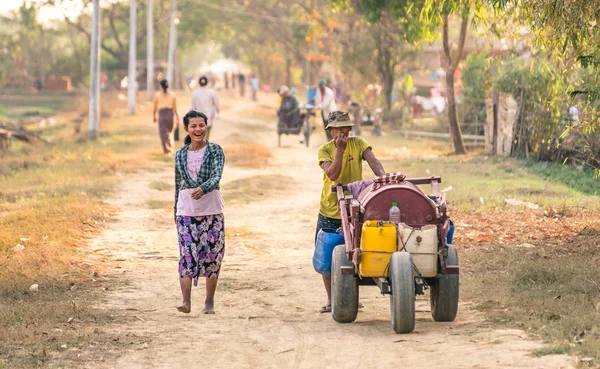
x: 205, y: 100
x: 574, y: 115
x: 325, y: 101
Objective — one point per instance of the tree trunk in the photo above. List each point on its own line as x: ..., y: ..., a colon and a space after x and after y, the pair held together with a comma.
x: 150, y: 51
x: 95, y: 72
x: 132, y: 75
x: 388, y: 87
x: 172, y: 43
x: 450, y: 68
x: 288, y: 71
x: 457, y: 139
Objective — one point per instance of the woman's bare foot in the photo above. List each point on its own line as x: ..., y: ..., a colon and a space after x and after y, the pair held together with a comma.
x: 209, y: 308
x: 184, y: 308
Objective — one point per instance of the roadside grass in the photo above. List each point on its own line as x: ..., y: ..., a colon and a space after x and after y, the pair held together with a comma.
x: 52, y: 193
x: 160, y: 205
x: 248, y: 156
x: 552, y: 350
x: 161, y: 186
x: 538, y: 269
x: 255, y: 188
x: 551, y: 295
x: 57, y: 324
x: 479, y: 183
x: 51, y: 202
x: 19, y: 106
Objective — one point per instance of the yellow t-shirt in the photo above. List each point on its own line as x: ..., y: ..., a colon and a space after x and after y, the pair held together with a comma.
x: 351, y: 172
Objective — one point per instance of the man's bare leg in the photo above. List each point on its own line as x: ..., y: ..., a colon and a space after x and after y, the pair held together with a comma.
x: 327, y: 283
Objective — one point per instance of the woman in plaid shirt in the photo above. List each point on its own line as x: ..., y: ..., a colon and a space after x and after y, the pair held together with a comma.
x: 199, y: 211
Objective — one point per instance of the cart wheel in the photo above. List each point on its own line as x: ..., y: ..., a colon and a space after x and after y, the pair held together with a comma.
x: 344, y: 288
x: 444, y: 292
x: 402, y: 300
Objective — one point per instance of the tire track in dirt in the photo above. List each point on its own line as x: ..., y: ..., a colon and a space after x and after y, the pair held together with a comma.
x: 268, y: 295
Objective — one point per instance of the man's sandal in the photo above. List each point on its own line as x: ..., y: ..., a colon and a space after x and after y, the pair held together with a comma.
x: 325, y: 309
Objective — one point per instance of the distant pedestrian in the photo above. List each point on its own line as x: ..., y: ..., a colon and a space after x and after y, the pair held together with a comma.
x: 325, y: 101
x: 206, y: 101
x: 573, y: 115
x: 242, y: 83
x: 254, y: 86
x: 165, y: 109
x: 226, y: 80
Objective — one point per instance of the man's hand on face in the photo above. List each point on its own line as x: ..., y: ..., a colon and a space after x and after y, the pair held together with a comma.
x: 341, y: 141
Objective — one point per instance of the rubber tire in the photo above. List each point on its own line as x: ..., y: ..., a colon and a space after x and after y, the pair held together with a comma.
x: 444, y: 292
x: 344, y: 288
x: 306, y: 129
x: 402, y: 300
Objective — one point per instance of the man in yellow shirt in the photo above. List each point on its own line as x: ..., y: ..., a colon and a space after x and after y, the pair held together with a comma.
x: 341, y: 160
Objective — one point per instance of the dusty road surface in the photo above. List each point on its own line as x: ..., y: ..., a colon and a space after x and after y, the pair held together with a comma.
x: 268, y: 296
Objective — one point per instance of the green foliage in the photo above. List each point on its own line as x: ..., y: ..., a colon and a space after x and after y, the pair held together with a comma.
x: 546, y: 101
x: 569, y: 30
x: 477, y: 83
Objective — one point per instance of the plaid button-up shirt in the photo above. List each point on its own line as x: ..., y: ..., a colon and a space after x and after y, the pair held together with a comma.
x: 209, y: 174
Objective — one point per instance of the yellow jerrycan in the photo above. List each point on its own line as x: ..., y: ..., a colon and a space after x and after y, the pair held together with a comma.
x: 377, y: 244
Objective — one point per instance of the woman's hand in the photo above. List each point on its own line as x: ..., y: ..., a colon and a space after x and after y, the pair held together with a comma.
x: 197, y: 193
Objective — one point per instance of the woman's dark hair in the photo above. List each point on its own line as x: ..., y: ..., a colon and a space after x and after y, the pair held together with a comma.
x: 186, y: 122
x: 164, y: 84
x: 203, y: 81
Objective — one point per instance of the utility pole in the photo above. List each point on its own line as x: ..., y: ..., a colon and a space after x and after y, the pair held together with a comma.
x: 150, y: 66
x: 131, y: 79
x: 95, y: 72
x: 172, y: 44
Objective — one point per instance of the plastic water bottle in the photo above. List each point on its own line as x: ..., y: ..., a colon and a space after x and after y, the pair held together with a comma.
x: 395, y: 213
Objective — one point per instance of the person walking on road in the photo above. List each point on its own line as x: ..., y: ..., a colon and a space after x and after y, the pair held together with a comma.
x: 254, y: 86
x: 341, y: 161
x: 165, y: 109
x: 325, y: 101
x: 205, y: 100
x: 199, y: 211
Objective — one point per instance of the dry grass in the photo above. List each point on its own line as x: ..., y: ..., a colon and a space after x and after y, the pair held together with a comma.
x: 161, y: 186
x: 550, y: 293
x: 531, y: 269
x: 256, y: 188
x: 57, y: 324
x: 160, y: 204
x: 51, y: 194
x: 51, y: 202
x: 248, y: 156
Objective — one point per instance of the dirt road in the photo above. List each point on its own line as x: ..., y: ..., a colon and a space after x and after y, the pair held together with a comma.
x: 269, y: 294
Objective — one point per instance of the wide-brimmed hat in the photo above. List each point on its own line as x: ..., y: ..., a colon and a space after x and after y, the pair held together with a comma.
x: 338, y: 119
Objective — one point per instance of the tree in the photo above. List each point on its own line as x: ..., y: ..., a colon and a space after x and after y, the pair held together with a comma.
x: 451, y: 64
x: 132, y: 65
x: 570, y: 30
x: 150, y: 50
x: 95, y: 71
x: 172, y: 43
